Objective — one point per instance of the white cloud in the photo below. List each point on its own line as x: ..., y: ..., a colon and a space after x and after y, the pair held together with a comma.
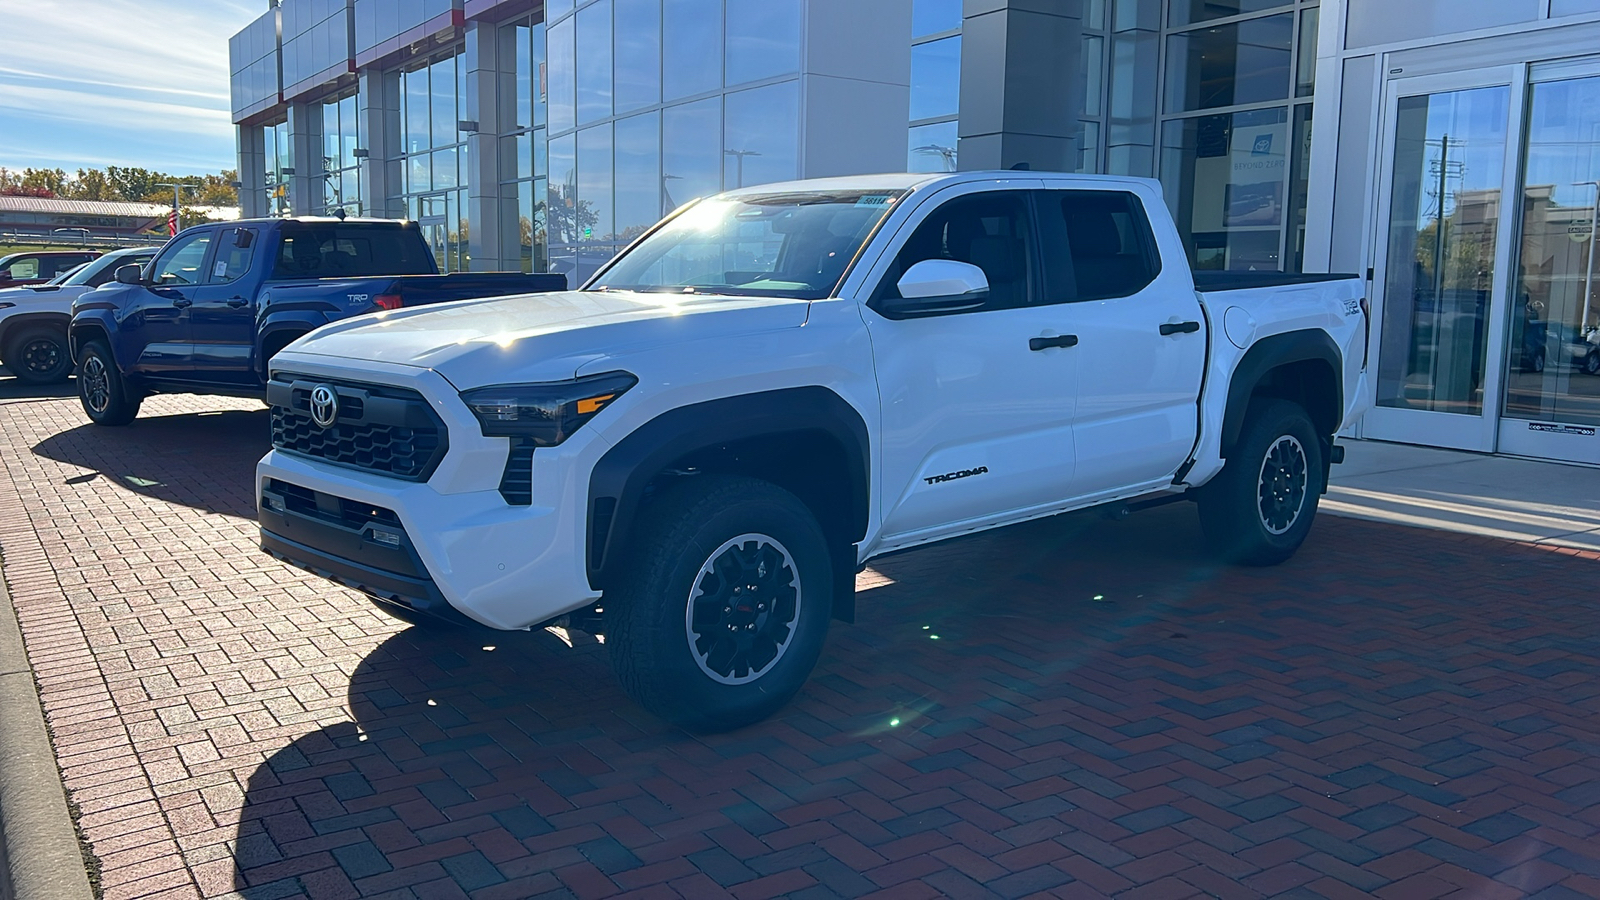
x: 145, y: 80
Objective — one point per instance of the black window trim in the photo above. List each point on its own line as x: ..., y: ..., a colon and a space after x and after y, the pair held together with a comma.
x: 250, y: 258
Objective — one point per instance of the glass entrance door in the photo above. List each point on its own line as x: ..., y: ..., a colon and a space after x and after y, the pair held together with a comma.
x: 1552, y: 397
x: 1441, y: 247
x: 431, y: 215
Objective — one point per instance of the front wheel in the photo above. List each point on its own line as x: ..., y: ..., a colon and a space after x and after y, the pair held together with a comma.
x: 102, y: 390
x: 1591, y: 363
x: 1259, y: 509
x: 39, y: 355
x: 724, y: 610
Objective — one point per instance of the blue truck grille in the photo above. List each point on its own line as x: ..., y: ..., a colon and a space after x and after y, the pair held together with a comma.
x: 390, y: 431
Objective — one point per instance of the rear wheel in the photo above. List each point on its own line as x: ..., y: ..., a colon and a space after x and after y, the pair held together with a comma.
x: 102, y: 390
x: 39, y: 355
x: 1259, y: 509
x: 722, y: 615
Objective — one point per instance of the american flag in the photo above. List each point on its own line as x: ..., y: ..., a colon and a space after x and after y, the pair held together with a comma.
x: 172, y: 222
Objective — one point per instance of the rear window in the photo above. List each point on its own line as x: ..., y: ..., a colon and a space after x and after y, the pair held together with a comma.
x: 350, y: 251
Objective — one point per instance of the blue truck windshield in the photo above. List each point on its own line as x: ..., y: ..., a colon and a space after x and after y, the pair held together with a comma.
x: 782, y: 245
x: 354, y: 250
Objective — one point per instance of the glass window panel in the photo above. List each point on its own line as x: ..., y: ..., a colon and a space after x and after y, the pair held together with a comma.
x: 934, y: 16
x: 595, y: 200
x: 1094, y: 69
x: 936, y: 79
x: 541, y: 73
x: 419, y: 173
x: 692, y: 35
x: 932, y: 148
x: 1089, y: 147
x: 541, y: 159
x: 594, y: 62
x: 1305, y: 77
x: 444, y: 168
x: 349, y: 131
x: 1244, y: 62
x: 638, y: 168
x: 763, y: 40
x: 559, y: 76
x: 525, y: 224
x: 1094, y: 14
x: 330, y: 135
x: 330, y: 190
x: 350, y: 190
x: 415, y: 85
x: 1573, y: 7
x: 762, y: 142
x: 522, y: 153
x: 442, y: 90
x: 1299, y: 189
x: 691, y: 140
x: 555, y: 9
x: 561, y: 205
x: 1189, y: 12
x: 1439, y: 269
x: 523, y: 51
x: 638, y: 54
x: 541, y: 239
x: 1225, y: 177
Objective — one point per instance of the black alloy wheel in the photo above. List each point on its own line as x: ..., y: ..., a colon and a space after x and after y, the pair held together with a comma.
x: 39, y: 355
x: 742, y: 609
x: 1281, y: 487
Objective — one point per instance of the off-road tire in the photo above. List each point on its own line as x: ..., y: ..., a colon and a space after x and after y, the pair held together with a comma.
x: 1259, y: 509
x: 663, y: 626
x: 38, y: 354
x: 104, y: 393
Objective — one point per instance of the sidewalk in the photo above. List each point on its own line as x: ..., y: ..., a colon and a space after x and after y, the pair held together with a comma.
x: 1447, y: 490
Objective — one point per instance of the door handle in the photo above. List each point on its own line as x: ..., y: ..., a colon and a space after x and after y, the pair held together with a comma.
x: 182, y: 303
x: 237, y: 302
x: 1180, y: 328
x: 1045, y: 343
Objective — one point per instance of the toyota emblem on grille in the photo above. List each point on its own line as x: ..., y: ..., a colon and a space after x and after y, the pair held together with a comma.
x: 324, y: 405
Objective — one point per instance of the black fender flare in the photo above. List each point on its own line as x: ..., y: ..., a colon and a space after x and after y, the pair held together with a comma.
x: 10, y: 326
x: 1267, y: 354
x: 274, y: 324
x: 86, y: 326
x: 618, y: 481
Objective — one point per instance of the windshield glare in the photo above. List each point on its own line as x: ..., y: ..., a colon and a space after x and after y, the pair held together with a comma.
x: 781, y: 245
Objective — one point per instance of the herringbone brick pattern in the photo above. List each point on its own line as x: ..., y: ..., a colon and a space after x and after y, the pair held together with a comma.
x: 1074, y: 708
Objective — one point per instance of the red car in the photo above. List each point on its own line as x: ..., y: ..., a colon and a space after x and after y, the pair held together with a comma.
x: 39, y: 266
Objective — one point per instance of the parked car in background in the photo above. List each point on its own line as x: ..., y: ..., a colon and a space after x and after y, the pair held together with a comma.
x: 39, y: 266
x: 206, y: 315
x: 34, y: 320
x: 695, y: 454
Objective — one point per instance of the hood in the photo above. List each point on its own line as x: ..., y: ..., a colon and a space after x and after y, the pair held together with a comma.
x: 543, y: 337
x: 54, y: 295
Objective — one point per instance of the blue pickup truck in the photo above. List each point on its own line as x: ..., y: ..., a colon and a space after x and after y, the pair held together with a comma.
x: 220, y: 300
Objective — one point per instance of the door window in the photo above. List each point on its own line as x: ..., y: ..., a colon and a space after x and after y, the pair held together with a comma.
x: 1096, y: 245
x: 183, y: 263
x: 233, y: 255
x: 24, y: 269
x: 990, y: 231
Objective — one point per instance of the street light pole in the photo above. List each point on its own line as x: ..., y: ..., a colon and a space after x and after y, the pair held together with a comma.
x: 177, y: 203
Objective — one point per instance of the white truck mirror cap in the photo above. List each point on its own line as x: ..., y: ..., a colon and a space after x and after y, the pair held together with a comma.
x: 942, y: 278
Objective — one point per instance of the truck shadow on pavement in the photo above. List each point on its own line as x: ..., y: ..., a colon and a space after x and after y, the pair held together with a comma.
x: 1064, y: 699
x: 13, y: 389
x: 204, y: 460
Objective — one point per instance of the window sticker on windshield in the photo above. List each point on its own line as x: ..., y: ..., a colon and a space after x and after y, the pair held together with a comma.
x: 221, y: 270
x: 874, y: 200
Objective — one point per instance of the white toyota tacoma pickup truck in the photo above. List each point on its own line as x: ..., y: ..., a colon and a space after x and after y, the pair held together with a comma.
x: 694, y: 454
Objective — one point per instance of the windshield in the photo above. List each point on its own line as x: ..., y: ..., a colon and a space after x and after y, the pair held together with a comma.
x: 67, y: 274
x: 781, y: 245
x: 99, y: 272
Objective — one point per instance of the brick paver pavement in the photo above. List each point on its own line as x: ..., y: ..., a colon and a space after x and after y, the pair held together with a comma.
x: 1071, y: 708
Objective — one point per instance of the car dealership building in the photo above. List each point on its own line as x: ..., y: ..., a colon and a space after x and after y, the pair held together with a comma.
x: 1370, y: 136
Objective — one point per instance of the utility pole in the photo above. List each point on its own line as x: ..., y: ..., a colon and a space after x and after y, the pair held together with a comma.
x: 740, y: 155
x: 177, y: 203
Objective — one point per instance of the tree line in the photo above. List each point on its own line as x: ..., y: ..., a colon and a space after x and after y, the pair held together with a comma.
x: 124, y: 183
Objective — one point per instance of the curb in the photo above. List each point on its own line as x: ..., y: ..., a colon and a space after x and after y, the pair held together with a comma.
x: 39, y: 854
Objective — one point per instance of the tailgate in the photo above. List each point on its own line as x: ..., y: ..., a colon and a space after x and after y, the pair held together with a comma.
x: 420, y: 290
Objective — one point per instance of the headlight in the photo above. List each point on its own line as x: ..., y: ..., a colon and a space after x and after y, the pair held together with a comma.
x: 548, y: 413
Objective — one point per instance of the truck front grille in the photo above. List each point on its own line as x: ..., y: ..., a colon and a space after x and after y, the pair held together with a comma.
x: 387, y: 430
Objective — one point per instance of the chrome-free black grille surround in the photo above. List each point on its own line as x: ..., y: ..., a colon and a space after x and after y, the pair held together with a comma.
x: 387, y: 430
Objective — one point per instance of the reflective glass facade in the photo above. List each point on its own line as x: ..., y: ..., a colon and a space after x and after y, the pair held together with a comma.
x: 341, y: 171
x: 433, y: 156
x: 935, y: 85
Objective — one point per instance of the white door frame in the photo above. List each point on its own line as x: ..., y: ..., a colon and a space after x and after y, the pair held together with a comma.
x: 1441, y: 429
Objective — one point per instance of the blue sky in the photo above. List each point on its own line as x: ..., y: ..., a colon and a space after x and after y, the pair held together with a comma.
x: 90, y: 83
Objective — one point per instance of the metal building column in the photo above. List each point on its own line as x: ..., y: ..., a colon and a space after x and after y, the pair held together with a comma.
x: 379, y: 110
x: 1021, y: 85
x: 252, y: 173
x: 305, y: 153
x: 485, y: 239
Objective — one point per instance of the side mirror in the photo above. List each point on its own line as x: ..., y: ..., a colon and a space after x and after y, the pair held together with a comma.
x: 132, y: 273
x: 5, y: 275
x: 938, y: 286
